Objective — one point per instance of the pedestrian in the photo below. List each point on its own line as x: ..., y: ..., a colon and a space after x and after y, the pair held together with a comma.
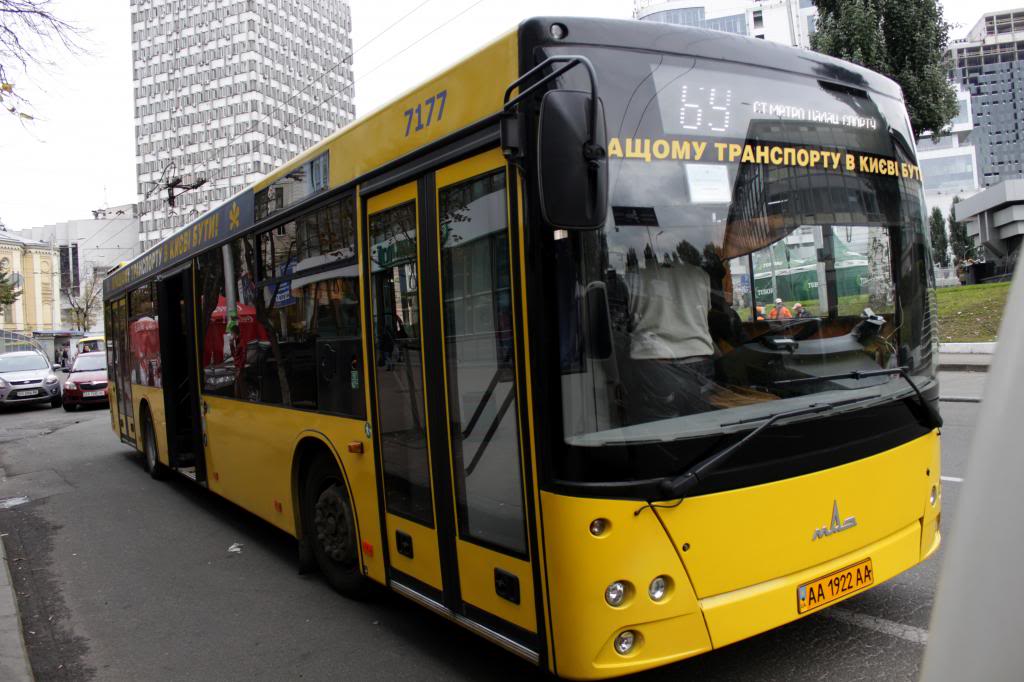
x: 387, y: 349
x: 800, y: 311
x: 780, y: 311
x: 64, y: 358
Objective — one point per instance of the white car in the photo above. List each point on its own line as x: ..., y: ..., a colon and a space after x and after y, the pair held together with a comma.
x: 27, y: 377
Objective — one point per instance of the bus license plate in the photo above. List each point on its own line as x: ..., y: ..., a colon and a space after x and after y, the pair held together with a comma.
x: 25, y: 394
x: 827, y: 589
x: 92, y: 394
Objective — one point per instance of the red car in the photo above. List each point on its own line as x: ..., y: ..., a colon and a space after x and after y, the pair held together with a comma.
x: 87, y: 381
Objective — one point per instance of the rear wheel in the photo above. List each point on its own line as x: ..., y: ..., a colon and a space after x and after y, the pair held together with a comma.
x: 331, y: 529
x: 149, y: 450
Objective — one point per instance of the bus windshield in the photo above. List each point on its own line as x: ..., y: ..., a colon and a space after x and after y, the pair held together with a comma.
x: 764, y: 227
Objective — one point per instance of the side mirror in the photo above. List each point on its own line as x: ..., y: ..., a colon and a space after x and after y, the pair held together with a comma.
x: 572, y: 161
x: 56, y: 367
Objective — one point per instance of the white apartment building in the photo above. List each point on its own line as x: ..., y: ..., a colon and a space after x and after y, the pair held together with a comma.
x: 790, y: 22
x: 226, y: 90
x: 88, y: 248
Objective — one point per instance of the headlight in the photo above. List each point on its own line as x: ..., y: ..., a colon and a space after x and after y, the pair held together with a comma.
x: 50, y: 379
x: 70, y: 385
x: 658, y: 588
x: 615, y: 593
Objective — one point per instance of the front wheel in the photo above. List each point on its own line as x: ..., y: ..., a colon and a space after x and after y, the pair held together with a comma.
x: 56, y: 402
x: 330, y: 525
x: 68, y: 407
x: 149, y: 452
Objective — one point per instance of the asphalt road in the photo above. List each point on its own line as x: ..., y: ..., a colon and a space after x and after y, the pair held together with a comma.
x: 123, y: 578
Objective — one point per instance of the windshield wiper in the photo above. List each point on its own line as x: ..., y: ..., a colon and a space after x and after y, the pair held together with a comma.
x: 934, y: 419
x: 691, y: 478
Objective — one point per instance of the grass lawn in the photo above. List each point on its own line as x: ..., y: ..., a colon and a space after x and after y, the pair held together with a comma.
x: 971, y: 313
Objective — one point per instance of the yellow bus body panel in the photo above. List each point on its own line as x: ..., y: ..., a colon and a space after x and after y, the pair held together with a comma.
x: 425, y: 563
x: 752, y: 610
x: 250, y: 456
x: 579, y: 568
x: 750, y: 535
x: 154, y: 398
x: 476, y: 572
x: 750, y: 538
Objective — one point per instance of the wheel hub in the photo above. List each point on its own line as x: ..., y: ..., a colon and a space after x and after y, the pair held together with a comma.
x: 330, y: 521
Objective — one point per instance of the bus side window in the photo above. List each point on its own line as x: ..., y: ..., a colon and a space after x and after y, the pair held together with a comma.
x: 231, y: 338
x: 294, y: 336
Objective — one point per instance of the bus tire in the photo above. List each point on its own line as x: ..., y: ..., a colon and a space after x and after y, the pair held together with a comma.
x: 331, y: 529
x: 150, y: 459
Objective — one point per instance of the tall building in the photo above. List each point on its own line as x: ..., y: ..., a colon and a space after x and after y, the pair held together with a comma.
x: 989, y: 64
x: 949, y: 163
x: 226, y: 90
x: 87, y: 249
x: 790, y: 22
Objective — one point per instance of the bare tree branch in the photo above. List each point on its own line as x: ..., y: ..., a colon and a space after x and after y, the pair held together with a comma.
x: 85, y: 304
x: 27, y: 26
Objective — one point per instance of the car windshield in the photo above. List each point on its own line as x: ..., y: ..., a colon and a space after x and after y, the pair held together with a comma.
x: 89, y: 363
x: 22, y: 363
x: 764, y: 227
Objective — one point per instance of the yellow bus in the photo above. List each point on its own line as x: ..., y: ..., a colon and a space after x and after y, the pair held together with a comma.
x: 613, y: 343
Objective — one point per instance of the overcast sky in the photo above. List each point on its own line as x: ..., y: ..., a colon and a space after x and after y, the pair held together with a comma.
x: 79, y: 154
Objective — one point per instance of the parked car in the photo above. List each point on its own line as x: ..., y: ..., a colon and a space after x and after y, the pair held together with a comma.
x: 87, y: 381
x: 26, y: 376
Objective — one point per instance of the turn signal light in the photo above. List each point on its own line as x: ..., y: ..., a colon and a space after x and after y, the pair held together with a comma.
x: 355, y: 447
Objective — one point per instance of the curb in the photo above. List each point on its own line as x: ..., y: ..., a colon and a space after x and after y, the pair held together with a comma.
x: 14, y: 663
x: 961, y: 367
x: 988, y: 348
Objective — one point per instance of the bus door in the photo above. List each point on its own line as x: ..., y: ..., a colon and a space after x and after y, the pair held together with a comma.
x: 484, y: 454
x: 447, y: 426
x: 403, y: 435
x: 179, y: 374
x: 112, y: 392
x: 119, y: 377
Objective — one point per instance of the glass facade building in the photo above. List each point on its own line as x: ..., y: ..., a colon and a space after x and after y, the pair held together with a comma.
x: 790, y: 22
x: 989, y: 65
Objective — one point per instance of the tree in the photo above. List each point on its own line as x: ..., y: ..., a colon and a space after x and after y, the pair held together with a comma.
x: 26, y: 26
x: 902, y: 39
x: 8, y: 294
x: 85, y: 303
x: 940, y: 243
x: 959, y: 241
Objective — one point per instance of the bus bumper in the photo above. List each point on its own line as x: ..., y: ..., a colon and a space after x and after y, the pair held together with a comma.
x: 755, y: 609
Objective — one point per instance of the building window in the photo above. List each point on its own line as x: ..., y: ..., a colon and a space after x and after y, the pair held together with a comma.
x: 69, y: 278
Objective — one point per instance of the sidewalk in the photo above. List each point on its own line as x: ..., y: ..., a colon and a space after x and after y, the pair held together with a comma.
x: 14, y: 665
x: 965, y: 357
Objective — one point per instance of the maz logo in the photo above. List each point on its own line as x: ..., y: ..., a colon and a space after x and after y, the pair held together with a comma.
x: 834, y: 526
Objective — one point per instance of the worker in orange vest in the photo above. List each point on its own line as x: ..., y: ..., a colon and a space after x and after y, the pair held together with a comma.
x: 780, y: 312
